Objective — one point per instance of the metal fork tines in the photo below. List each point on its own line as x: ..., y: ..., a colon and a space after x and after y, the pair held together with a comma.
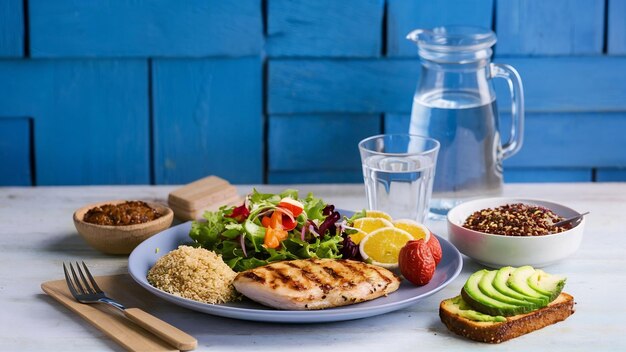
x: 87, y: 290
x: 84, y: 288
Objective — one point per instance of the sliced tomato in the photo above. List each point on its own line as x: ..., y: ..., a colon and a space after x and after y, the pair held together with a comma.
x: 276, y: 221
x: 273, y: 237
x: 289, y: 224
x: 288, y: 221
x: 265, y: 221
x: 281, y: 235
x: 270, y: 240
x: 292, y: 205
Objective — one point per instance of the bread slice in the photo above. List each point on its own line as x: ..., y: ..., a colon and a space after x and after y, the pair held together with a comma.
x: 514, y: 326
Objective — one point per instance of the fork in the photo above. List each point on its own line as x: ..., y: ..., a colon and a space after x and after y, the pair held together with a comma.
x: 86, y: 290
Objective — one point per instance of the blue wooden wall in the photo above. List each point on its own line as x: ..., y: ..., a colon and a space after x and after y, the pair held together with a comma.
x: 281, y: 91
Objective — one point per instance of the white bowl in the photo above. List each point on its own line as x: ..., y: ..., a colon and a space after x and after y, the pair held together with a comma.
x: 499, y: 250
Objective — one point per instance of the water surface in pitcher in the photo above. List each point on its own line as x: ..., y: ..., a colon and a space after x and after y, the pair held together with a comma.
x: 469, y: 164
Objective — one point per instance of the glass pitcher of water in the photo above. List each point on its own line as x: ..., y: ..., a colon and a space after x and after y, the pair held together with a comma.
x: 455, y: 103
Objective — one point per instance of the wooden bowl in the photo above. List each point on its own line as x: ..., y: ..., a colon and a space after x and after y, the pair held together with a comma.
x: 120, y: 239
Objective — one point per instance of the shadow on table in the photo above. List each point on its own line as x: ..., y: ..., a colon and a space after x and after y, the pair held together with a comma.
x: 72, y: 243
x: 89, y: 329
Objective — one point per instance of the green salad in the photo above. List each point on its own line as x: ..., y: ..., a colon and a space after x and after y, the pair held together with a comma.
x: 273, y: 227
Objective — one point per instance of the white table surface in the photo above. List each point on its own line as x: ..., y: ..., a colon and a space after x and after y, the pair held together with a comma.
x: 37, y: 235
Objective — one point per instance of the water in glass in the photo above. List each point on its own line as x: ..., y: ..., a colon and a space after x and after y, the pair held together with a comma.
x: 399, y: 185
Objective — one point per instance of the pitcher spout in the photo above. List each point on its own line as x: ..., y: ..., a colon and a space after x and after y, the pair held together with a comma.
x: 414, y: 35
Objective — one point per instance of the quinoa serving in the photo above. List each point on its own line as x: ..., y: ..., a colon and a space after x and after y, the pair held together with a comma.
x: 515, y: 220
x: 194, y: 273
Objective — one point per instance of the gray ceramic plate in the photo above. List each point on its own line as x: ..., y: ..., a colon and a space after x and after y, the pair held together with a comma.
x: 147, y: 253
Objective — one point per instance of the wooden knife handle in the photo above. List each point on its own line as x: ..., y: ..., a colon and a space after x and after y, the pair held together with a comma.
x: 167, y: 332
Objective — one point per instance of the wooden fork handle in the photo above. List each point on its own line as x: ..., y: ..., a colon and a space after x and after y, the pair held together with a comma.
x: 177, y: 338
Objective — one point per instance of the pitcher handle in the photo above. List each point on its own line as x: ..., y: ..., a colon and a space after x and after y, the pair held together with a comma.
x: 514, y: 144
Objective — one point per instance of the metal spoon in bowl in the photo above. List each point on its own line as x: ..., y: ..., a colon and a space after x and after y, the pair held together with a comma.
x: 573, y: 220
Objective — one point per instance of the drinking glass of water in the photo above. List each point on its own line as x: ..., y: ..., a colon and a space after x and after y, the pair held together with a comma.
x: 398, y: 170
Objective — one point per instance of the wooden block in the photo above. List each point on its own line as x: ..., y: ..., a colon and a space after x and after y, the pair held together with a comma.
x: 404, y: 16
x: 90, y: 118
x: 202, y: 193
x: 208, y: 119
x: 140, y: 28
x: 375, y: 86
x: 11, y: 28
x: 324, y: 28
x: 519, y: 175
x: 616, y: 29
x: 301, y: 177
x: 611, y: 174
x: 334, y: 147
x: 205, y: 185
x: 555, y: 27
x: 196, y: 214
x: 15, y: 152
x: 198, y: 202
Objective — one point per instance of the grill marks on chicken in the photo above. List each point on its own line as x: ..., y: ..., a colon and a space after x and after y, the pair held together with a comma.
x: 315, y: 283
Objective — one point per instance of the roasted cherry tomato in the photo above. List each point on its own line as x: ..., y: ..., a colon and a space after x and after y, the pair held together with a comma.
x: 416, y: 262
x: 435, y: 248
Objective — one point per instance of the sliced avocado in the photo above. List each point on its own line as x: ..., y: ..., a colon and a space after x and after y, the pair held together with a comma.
x: 518, y: 281
x: 546, y: 284
x: 459, y: 307
x: 500, y: 284
x: 486, y: 286
x: 472, y: 294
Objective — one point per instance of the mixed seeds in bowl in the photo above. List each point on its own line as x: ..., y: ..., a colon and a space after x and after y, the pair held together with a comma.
x: 515, y: 220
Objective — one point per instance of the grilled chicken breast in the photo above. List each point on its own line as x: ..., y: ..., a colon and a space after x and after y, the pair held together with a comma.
x: 315, y: 283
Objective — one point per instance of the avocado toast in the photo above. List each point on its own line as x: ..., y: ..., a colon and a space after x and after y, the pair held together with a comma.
x: 498, y: 305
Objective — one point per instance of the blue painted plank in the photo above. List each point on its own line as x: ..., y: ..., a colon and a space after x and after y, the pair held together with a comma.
x: 583, y: 140
x: 140, y: 28
x: 570, y: 83
x: 15, y: 152
x: 519, y: 175
x: 208, y: 119
x: 299, y: 177
x: 563, y: 140
x: 616, y: 36
x: 333, y: 86
x: 324, y: 28
x: 90, y: 118
x: 318, y: 142
x: 397, y: 123
x: 405, y: 15
x: 555, y: 27
x: 374, y: 86
x: 611, y: 174
x: 11, y: 28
